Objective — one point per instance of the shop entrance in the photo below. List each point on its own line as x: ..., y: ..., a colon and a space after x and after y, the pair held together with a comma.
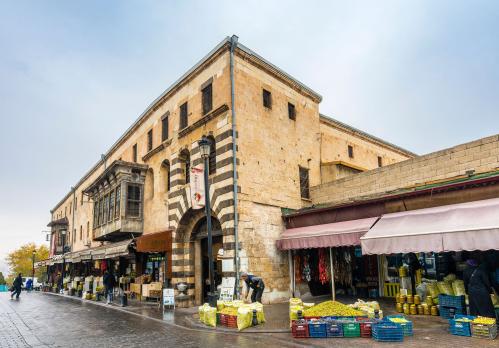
x: 199, y: 242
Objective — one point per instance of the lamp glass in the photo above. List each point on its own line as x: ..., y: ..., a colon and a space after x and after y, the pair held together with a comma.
x: 204, y: 147
x: 63, y: 232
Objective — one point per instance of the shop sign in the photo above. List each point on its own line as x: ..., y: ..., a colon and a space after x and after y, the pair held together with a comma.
x: 197, y: 187
x: 227, y: 290
x: 169, y: 297
x: 228, y: 265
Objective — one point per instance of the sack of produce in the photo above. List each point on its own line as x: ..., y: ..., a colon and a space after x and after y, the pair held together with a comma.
x: 495, y: 300
x: 308, y: 304
x: 433, y: 289
x: 445, y: 288
x: 237, y: 303
x: 458, y: 287
x: 295, y: 302
x: 293, y: 312
x: 244, y: 318
x: 450, y: 278
x: 201, y: 313
x: 331, y: 308
x: 421, y: 290
x: 220, y: 305
x: 210, y: 316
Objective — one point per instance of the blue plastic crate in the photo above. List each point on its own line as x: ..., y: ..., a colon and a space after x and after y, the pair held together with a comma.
x: 458, y: 302
x: 406, y: 327
x: 386, y: 331
x: 460, y: 328
x: 317, y: 329
x: 445, y: 311
x: 334, y: 329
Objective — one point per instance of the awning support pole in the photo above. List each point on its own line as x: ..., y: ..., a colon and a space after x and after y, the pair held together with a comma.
x: 333, y: 287
x: 291, y: 272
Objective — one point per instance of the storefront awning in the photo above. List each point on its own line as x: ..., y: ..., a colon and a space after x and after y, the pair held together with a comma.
x: 118, y: 249
x: 155, y: 242
x: 456, y: 227
x: 335, y: 234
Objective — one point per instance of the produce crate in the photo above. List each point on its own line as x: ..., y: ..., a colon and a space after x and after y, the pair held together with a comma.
x: 313, y: 318
x: 223, y: 319
x: 386, y: 331
x: 299, y: 329
x: 406, y: 327
x: 366, y: 327
x: 458, y: 302
x: 484, y: 331
x: 231, y: 321
x: 219, y: 322
x: 334, y: 328
x: 460, y: 328
x: 351, y: 329
x: 445, y: 311
x: 317, y: 329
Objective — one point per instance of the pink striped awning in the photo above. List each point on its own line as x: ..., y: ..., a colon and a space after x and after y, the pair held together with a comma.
x: 455, y: 227
x: 336, y: 234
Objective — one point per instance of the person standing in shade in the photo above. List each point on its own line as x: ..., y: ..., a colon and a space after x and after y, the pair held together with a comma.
x: 255, y: 283
x: 109, y: 283
x: 478, y: 288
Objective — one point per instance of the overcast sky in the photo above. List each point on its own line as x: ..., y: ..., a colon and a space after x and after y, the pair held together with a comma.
x: 421, y: 74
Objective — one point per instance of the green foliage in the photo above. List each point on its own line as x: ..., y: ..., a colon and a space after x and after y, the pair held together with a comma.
x: 21, y: 260
x: 2, y: 279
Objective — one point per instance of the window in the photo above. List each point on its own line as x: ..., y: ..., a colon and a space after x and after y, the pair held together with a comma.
x: 117, y: 203
x: 96, y: 214
x: 380, y: 161
x: 70, y: 207
x: 291, y: 111
x: 110, y: 215
x: 212, y: 162
x: 267, y: 99
x: 186, y: 158
x: 207, y: 99
x: 350, y: 151
x: 133, y: 201
x: 76, y: 203
x: 304, y: 183
x: 65, y: 211
x: 81, y: 199
x: 164, y: 127
x: 88, y: 231
x: 101, y: 211
x: 149, y: 140
x: 134, y: 153
x: 106, y: 209
x: 165, y: 169
x: 81, y: 232
x: 183, y: 116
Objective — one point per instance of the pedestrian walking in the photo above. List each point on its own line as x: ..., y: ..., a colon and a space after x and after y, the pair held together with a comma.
x: 478, y: 288
x: 16, y: 286
x: 109, y: 283
x: 29, y: 284
x: 255, y: 283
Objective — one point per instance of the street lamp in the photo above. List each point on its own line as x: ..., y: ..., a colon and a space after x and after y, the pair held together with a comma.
x: 33, y: 270
x: 63, y: 234
x: 204, y: 149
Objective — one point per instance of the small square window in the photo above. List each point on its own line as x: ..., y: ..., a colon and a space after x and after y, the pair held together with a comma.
x: 183, y: 116
x: 291, y: 111
x: 380, y: 161
x: 149, y: 140
x: 207, y: 99
x: 350, y: 151
x: 164, y: 127
x: 134, y: 153
x: 304, y: 183
x: 267, y: 99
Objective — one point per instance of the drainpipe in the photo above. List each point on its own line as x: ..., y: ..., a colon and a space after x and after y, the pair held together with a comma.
x: 73, y: 218
x: 233, y: 45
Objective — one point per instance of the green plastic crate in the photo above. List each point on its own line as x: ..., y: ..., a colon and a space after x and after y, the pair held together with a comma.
x: 351, y: 329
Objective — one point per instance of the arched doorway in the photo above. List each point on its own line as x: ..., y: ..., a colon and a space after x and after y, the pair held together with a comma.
x: 199, y: 239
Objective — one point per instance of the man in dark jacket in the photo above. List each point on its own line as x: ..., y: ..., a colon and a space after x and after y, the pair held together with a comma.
x: 478, y: 288
x: 16, y: 285
x: 255, y: 283
x: 109, y: 283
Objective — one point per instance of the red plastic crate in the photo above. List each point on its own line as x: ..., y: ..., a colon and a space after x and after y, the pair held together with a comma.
x: 366, y: 327
x: 231, y: 321
x: 312, y: 318
x: 223, y: 319
x: 299, y: 329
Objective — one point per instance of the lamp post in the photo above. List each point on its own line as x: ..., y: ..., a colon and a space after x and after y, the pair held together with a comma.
x: 33, y: 270
x: 63, y: 234
x: 204, y: 149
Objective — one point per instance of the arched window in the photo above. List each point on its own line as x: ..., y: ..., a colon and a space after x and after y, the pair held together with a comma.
x: 186, y: 158
x: 165, y: 170
x: 213, y: 155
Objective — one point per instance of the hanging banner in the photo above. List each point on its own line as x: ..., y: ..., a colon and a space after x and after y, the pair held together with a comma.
x: 197, y: 187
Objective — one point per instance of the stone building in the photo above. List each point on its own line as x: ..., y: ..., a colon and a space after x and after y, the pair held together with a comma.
x: 282, y: 145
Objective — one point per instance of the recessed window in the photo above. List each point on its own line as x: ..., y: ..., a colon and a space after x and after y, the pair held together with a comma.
x: 380, y: 161
x: 350, y: 151
x: 133, y: 201
x: 186, y: 159
x: 304, y: 183
x: 164, y: 127
x: 207, y: 99
x: 81, y: 200
x: 76, y: 203
x: 134, y: 153
x: 267, y: 99
x: 88, y: 231
x: 149, y: 140
x: 212, y: 162
x: 117, y: 203
x: 110, y: 215
x: 291, y: 111
x: 81, y: 232
x: 183, y: 116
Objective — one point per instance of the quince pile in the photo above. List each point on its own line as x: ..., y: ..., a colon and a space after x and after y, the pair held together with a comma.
x: 484, y: 321
x: 331, y: 308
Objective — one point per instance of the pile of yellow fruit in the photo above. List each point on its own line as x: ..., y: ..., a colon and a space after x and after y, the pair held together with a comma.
x: 331, y: 308
x: 484, y: 321
x: 229, y: 311
x: 464, y: 320
x: 399, y: 320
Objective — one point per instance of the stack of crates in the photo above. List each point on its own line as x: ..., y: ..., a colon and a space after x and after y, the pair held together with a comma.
x: 350, y: 328
x: 386, y: 331
x: 447, y: 303
x: 460, y: 328
x: 366, y: 327
x: 299, y: 329
x: 317, y: 329
x: 406, y: 327
x: 334, y: 328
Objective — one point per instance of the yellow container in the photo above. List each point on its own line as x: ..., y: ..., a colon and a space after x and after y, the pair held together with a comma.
x: 410, y: 299
x: 420, y: 310
x: 397, y: 298
x: 434, y: 310
x: 399, y: 308
x: 406, y: 309
x: 402, y: 298
x: 417, y: 299
x: 429, y: 300
x: 413, y: 310
x: 402, y: 271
